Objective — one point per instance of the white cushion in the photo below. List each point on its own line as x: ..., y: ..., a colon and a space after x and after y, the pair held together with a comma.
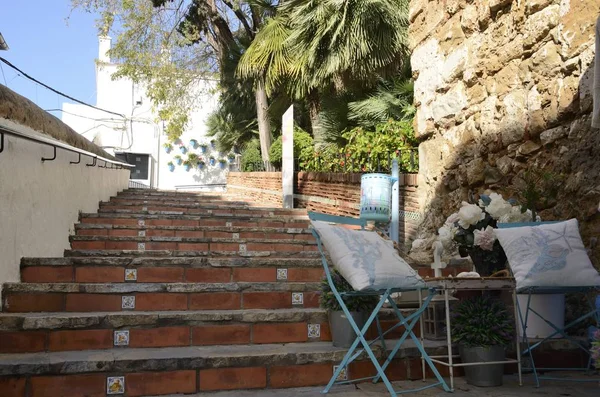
x: 365, y: 260
x: 550, y: 255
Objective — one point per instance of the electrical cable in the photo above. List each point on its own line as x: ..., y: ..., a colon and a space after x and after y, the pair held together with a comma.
x: 58, y: 92
x: 3, y: 76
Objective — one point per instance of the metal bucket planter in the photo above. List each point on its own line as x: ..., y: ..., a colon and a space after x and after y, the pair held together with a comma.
x: 342, y: 333
x: 483, y: 375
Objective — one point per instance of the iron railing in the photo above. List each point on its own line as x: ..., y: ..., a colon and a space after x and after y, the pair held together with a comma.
x: 137, y: 185
x: 57, y: 144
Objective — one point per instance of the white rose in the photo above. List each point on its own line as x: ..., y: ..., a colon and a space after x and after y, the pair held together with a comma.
x: 452, y: 219
x: 469, y: 214
x: 498, y: 207
x: 485, y: 238
x: 446, y: 234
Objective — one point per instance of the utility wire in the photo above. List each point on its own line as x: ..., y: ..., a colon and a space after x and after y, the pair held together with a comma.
x: 83, y: 117
x: 58, y: 92
x: 3, y: 76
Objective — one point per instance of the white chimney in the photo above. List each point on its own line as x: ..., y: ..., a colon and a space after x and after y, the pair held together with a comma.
x: 104, y: 43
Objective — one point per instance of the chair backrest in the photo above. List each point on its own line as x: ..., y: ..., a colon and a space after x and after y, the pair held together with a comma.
x: 346, y: 220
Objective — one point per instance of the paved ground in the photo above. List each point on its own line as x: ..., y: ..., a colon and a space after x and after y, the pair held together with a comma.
x: 509, y: 389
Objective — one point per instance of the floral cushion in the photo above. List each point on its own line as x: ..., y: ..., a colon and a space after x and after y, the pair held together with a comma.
x: 365, y: 260
x: 548, y: 255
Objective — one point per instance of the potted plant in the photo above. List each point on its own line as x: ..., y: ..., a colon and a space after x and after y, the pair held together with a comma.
x: 360, y: 307
x: 193, y: 143
x: 201, y: 164
x: 171, y: 166
x: 213, y: 143
x: 178, y: 159
x: 203, y: 147
x: 168, y: 147
x: 472, y: 230
x: 193, y: 159
x: 183, y: 149
x: 211, y: 160
x: 483, y: 328
x: 222, y: 163
x: 187, y: 165
x: 231, y: 157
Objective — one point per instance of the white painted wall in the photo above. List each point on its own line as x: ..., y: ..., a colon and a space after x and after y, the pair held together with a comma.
x: 140, y: 132
x: 40, y: 202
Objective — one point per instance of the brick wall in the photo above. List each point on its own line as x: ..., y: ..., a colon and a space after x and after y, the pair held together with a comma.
x: 328, y: 193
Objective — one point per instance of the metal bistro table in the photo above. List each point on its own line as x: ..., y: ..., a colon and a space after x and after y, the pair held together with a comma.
x: 448, y: 285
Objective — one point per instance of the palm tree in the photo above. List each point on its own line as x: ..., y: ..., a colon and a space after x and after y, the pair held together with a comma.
x: 317, y: 47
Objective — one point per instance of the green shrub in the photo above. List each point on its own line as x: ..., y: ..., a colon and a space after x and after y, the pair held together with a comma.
x: 303, y: 148
x: 327, y: 299
x: 481, y: 321
x: 251, y: 159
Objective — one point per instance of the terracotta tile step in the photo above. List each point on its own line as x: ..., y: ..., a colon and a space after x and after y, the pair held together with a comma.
x: 156, y: 371
x: 28, y: 333
x: 283, y: 221
x: 92, y: 229
x: 190, y: 244
x: 79, y: 297
x: 184, y: 261
x: 172, y: 206
x: 217, y: 213
x: 176, y: 253
x: 167, y: 274
x: 239, y: 201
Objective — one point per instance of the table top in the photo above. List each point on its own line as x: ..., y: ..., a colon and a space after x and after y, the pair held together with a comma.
x: 480, y: 283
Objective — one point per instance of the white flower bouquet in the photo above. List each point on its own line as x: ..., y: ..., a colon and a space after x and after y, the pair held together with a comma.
x: 472, y: 230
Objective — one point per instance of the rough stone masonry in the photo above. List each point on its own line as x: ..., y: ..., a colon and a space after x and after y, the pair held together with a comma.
x: 502, y: 86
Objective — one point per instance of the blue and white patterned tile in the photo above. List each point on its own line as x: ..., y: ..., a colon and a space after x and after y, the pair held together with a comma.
x: 115, y: 385
x: 282, y: 274
x: 130, y: 274
x: 121, y: 338
x: 314, y: 331
x: 343, y: 374
x: 128, y: 302
x: 297, y: 298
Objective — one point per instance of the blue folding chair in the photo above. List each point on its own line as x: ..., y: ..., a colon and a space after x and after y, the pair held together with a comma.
x: 408, y: 322
x: 524, y: 314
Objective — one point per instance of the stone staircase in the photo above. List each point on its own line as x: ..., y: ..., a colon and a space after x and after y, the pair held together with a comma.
x: 174, y: 293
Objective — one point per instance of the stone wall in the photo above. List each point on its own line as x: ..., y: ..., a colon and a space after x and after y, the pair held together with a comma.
x: 503, y: 86
x: 327, y: 193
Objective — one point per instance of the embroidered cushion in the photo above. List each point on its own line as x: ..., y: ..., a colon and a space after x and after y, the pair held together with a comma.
x: 366, y: 260
x: 548, y: 255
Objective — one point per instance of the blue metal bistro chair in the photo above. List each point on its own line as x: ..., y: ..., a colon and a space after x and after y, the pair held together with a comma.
x: 408, y: 322
x: 552, y: 258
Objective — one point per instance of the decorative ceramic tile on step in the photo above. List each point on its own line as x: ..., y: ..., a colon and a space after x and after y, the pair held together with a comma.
x: 128, y: 302
x: 209, y: 212
x: 141, y: 233
x: 282, y: 274
x: 343, y: 375
x: 235, y: 235
x: 115, y: 385
x: 141, y: 246
x: 145, y: 201
x: 144, y: 208
x: 121, y: 338
x: 228, y: 224
x: 243, y: 248
x: 297, y: 298
x: 314, y: 331
x: 141, y: 222
x: 130, y: 274
x: 271, y: 213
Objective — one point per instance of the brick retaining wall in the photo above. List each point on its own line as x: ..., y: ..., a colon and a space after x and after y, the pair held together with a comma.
x: 329, y: 193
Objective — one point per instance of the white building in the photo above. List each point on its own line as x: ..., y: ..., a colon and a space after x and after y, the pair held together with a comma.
x: 138, y: 137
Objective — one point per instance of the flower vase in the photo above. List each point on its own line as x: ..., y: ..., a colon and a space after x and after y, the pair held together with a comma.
x: 212, y: 161
x: 488, y: 262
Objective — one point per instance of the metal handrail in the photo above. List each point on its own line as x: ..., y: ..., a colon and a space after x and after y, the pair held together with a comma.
x: 57, y: 144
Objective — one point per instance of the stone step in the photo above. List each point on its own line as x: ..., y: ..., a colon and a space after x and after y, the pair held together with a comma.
x: 27, y: 333
x: 193, y: 220
x: 156, y: 270
x: 185, y: 262
x: 173, y: 370
x: 175, y: 253
x: 229, y: 201
x: 94, y: 229
x: 190, y: 243
x: 91, y: 297
x: 223, y: 212
x: 174, y: 206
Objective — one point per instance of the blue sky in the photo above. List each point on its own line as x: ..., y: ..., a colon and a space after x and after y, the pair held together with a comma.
x: 46, y: 46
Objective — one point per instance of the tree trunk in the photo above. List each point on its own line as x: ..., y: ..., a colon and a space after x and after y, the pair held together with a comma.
x: 314, y: 108
x: 264, y: 125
